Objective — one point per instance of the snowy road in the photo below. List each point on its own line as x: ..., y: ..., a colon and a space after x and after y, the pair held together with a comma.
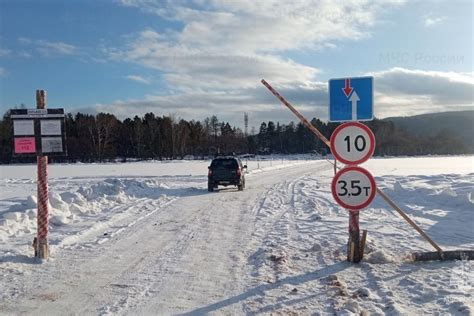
x: 186, y: 254
x: 164, y: 245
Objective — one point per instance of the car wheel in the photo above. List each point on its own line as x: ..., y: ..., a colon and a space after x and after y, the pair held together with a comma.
x: 210, y: 187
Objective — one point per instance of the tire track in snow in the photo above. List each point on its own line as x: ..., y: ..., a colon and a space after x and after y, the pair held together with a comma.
x: 80, y: 288
x: 216, y: 266
x: 144, y: 287
x: 110, y: 228
x: 277, y: 228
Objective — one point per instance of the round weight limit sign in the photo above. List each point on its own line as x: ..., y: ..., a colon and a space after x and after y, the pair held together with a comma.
x: 352, y: 143
x: 353, y: 188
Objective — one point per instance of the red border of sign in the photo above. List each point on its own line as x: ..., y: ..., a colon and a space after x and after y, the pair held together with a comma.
x: 372, y: 182
x: 363, y: 159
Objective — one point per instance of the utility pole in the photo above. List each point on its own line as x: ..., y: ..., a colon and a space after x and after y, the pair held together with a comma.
x: 246, y: 123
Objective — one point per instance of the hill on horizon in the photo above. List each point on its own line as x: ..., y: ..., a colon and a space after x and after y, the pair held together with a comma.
x: 457, y: 124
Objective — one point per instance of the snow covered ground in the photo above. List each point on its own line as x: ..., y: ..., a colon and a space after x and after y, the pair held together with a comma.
x: 147, y: 238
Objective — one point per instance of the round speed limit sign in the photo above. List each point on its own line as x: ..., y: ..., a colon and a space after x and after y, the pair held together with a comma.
x: 352, y: 143
x: 353, y: 188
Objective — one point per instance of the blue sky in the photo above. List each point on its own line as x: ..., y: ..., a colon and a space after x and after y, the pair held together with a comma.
x: 197, y: 58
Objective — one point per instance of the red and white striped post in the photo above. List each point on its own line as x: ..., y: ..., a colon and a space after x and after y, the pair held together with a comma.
x: 42, y: 247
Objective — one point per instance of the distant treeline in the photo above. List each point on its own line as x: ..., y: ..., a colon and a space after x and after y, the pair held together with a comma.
x: 103, y: 137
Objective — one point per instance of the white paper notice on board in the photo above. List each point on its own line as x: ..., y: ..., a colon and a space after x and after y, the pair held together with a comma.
x: 51, y: 144
x: 50, y: 127
x: 23, y: 127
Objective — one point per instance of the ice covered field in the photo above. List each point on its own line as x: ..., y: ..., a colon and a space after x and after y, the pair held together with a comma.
x: 147, y: 238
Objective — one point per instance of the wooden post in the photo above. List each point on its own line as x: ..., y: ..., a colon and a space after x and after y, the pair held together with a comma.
x: 353, y: 249
x: 362, y: 243
x: 42, y: 247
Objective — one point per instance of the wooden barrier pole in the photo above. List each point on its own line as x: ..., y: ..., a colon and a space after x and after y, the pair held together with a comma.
x: 298, y: 114
x: 446, y: 255
x: 326, y: 141
x: 42, y: 247
x: 409, y: 220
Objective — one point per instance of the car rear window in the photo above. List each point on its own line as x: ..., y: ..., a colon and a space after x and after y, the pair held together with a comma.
x: 224, y: 163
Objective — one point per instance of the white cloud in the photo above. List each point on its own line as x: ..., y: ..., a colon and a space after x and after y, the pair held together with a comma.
x: 444, y: 87
x: 226, y: 44
x: 214, y: 63
x: 430, y: 20
x: 403, y: 92
x: 48, y: 48
x: 267, y: 26
x: 25, y: 40
x: 4, y: 52
x: 198, y: 105
x: 3, y: 72
x: 55, y: 48
x: 138, y: 79
x: 398, y: 92
x: 188, y: 67
x: 24, y: 54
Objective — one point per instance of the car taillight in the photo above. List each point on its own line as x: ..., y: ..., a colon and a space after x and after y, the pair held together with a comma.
x: 238, y: 172
x: 209, y: 173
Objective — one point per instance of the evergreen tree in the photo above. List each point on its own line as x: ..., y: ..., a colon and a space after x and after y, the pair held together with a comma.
x: 103, y: 137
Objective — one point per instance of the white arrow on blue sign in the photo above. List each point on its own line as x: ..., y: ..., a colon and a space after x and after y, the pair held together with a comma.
x: 351, y: 99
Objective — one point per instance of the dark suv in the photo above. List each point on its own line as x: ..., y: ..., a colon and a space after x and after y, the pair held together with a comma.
x: 226, y: 171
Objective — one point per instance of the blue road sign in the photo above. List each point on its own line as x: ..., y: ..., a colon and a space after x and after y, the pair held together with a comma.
x: 351, y: 99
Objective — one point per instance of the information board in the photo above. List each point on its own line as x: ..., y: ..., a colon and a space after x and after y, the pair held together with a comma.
x: 39, y: 132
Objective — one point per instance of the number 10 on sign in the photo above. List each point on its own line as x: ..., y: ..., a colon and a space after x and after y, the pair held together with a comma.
x: 352, y: 143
